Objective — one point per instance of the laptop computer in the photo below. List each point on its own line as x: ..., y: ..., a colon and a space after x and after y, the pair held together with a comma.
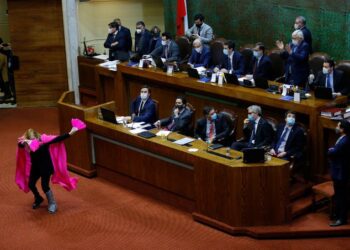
x: 253, y: 155
x: 231, y: 78
x: 159, y: 63
x: 261, y: 82
x: 108, y: 115
x: 193, y: 73
x: 323, y: 93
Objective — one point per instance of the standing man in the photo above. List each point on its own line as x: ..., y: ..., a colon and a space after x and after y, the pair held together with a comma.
x: 300, y: 24
x: 200, y: 30
x: 200, y: 56
x: 117, y: 43
x: 296, y: 55
x: 169, y: 51
x: 126, y: 31
x: 340, y: 168
x: 142, y: 39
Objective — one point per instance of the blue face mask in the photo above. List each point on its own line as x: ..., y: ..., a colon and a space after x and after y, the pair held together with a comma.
x: 225, y: 51
x: 251, y: 117
x: 214, y: 117
x: 290, y: 121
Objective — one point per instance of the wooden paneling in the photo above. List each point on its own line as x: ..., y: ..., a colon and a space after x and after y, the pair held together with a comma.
x: 37, y: 37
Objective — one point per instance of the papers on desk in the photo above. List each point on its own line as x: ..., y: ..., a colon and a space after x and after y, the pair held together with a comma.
x: 102, y: 57
x: 163, y: 133
x: 112, y: 65
x: 137, y: 130
x: 247, y: 77
x: 184, y: 141
x: 287, y: 98
x: 201, y: 70
x: 136, y: 125
x: 119, y: 119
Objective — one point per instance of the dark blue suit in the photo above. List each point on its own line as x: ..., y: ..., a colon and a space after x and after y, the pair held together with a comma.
x: 148, y: 112
x: 142, y: 42
x: 222, y: 129
x: 297, y: 64
x: 237, y: 63
x: 339, y: 157
x: 172, y: 54
x: 154, y: 43
x: 181, y: 124
x: 339, y: 84
x: 307, y: 37
x: 200, y: 59
x: 119, y: 51
x: 295, y: 141
x: 263, y: 69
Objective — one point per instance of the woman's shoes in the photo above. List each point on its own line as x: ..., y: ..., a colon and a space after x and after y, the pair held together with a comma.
x: 38, y: 200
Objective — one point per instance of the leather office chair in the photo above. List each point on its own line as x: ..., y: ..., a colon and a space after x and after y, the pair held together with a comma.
x: 185, y: 48
x: 216, y: 49
x: 345, y: 67
x: 157, y: 109
x: 277, y: 65
x: 247, y: 54
x: 232, y: 120
x: 193, y: 118
x: 316, y: 62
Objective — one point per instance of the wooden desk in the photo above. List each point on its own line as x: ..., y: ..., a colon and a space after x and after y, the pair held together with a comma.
x: 124, y: 85
x: 226, y: 193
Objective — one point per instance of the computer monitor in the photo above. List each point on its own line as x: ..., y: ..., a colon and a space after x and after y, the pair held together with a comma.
x: 108, y: 115
x: 323, y: 93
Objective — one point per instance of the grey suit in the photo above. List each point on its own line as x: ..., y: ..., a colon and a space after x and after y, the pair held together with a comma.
x: 205, y: 32
x: 172, y: 54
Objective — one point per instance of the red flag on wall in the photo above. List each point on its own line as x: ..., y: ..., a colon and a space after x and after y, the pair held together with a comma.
x: 181, y: 18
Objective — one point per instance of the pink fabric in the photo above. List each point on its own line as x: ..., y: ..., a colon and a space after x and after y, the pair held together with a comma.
x: 78, y: 123
x: 59, y: 160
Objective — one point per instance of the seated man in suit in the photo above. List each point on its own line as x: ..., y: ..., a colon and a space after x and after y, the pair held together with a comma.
x: 257, y: 131
x: 126, y: 31
x: 156, y: 40
x: 180, y: 119
x: 117, y: 43
x: 169, y: 51
x: 200, y: 56
x: 232, y: 62
x: 142, y: 39
x: 262, y: 65
x: 331, y: 78
x: 143, y: 108
x: 339, y: 158
x: 297, y: 59
x: 213, y: 127
x: 290, y: 139
x: 200, y: 30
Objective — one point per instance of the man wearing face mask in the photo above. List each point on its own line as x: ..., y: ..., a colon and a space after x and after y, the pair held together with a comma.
x: 180, y: 119
x: 300, y: 24
x: 257, y: 131
x: 143, y: 108
x: 331, y: 78
x: 117, y: 44
x: 142, y: 39
x: 289, y: 141
x: 297, y: 59
x: 169, y: 51
x: 200, y: 56
x: 232, y: 62
x: 262, y: 65
x: 156, y: 40
x: 339, y: 163
x: 200, y: 30
x: 213, y: 127
x: 126, y: 31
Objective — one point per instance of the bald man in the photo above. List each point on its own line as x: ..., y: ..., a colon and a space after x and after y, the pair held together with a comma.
x: 200, y: 56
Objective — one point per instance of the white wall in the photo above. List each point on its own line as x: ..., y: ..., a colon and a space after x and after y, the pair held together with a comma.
x: 4, y: 26
x: 94, y: 16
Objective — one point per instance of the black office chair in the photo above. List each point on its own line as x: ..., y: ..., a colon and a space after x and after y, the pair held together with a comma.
x: 277, y: 65
x: 216, y: 49
x: 232, y: 120
x: 185, y: 49
x: 316, y: 60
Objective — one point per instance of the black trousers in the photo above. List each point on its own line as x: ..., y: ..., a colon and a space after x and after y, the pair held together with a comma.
x: 340, y: 199
x: 34, y: 176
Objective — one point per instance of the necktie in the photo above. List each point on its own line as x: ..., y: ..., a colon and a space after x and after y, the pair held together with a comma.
x: 211, y: 131
x: 229, y: 64
x: 328, y: 81
x: 282, y: 139
x: 141, y: 107
x: 252, y: 137
x: 199, y: 31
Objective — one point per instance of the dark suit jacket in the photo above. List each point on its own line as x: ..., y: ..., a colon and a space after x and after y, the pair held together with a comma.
x: 263, y: 69
x: 298, y: 62
x: 142, y: 42
x: 307, y: 37
x: 222, y: 129
x: 147, y: 113
x: 182, y: 122
x: 338, y: 81
x: 127, y: 33
x: 295, y: 142
x: 200, y: 59
x: 154, y: 43
x: 173, y: 52
x: 119, y: 51
x: 237, y: 63
x: 339, y: 157
x: 264, y: 133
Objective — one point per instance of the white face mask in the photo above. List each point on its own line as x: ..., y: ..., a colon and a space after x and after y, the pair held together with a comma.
x: 295, y: 42
x: 109, y: 31
x: 199, y: 50
x: 257, y: 54
x: 138, y: 31
x: 164, y: 42
x: 325, y: 71
x: 296, y: 26
x: 144, y: 96
x: 225, y: 51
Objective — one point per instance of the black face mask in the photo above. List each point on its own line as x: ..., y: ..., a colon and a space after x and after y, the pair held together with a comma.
x: 198, y: 25
x: 156, y: 34
x: 179, y: 107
